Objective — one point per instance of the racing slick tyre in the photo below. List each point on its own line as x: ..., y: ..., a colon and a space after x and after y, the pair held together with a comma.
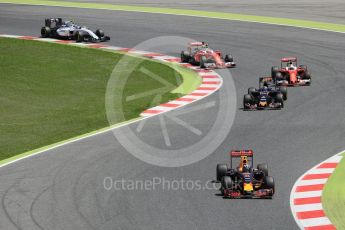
x: 247, y: 99
x: 269, y: 183
x: 79, y: 37
x: 304, y: 67
x: 283, y: 90
x: 280, y: 99
x: 278, y: 77
x: 228, y: 58
x: 202, y: 62
x: 308, y: 76
x: 221, y: 171
x: 99, y: 33
x: 193, y: 61
x: 226, y: 182
x: 251, y: 90
x: 274, y: 71
x: 263, y: 168
x: 184, y: 57
x: 45, y: 32
x: 262, y: 84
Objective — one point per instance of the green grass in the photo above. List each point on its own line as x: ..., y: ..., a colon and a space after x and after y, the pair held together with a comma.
x: 333, y: 196
x: 51, y: 92
x: 218, y: 15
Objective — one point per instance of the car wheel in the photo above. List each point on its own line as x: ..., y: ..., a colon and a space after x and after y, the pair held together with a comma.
x: 183, y: 57
x: 308, y: 77
x: 45, y: 32
x: 274, y: 71
x: 193, y: 61
x: 221, y: 171
x: 226, y: 182
x: 247, y: 99
x: 278, y: 77
x: 280, y: 99
x: 79, y: 36
x: 261, y: 84
x: 263, y: 168
x: 251, y: 90
x: 304, y: 67
x: 99, y: 33
x: 202, y: 62
x: 269, y: 183
x: 283, y: 90
x: 228, y: 58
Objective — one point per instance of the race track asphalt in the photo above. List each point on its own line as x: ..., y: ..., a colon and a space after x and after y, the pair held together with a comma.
x: 63, y: 188
x: 315, y: 10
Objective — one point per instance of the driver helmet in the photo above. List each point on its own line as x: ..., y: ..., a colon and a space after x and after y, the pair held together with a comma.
x: 290, y: 65
x: 265, y: 88
x: 204, y: 45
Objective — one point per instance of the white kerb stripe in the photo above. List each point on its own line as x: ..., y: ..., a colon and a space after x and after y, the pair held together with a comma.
x: 311, y: 182
x: 307, y: 207
x: 192, y: 97
x: 306, y: 194
x: 113, y: 48
x: 211, y: 80
x: 321, y: 170
x: 209, y: 85
x: 162, y: 108
x: 207, y: 73
x: 163, y: 58
x: 202, y: 91
x: 315, y: 222
x: 334, y: 159
x: 139, y: 52
x: 47, y: 39
x: 179, y: 102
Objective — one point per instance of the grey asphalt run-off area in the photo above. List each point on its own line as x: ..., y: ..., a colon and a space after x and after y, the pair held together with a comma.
x: 64, y: 188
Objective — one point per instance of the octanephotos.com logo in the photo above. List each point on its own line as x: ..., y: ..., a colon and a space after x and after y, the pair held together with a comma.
x: 158, y: 183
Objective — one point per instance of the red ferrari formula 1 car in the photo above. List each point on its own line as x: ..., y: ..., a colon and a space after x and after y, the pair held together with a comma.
x: 199, y: 54
x: 245, y: 181
x: 289, y: 74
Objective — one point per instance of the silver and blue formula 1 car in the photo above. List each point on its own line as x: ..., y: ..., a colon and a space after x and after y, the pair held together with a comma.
x: 68, y: 30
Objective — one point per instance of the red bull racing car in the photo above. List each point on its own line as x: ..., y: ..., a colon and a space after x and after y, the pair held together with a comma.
x: 289, y: 74
x: 245, y: 181
x: 199, y: 54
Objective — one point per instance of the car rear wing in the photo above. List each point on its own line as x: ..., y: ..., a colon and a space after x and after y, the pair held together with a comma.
x: 195, y: 44
x: 242, y: 153
x: 288, y: 59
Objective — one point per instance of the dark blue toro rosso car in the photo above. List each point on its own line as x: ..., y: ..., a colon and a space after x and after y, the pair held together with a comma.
x: 266, y: 97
